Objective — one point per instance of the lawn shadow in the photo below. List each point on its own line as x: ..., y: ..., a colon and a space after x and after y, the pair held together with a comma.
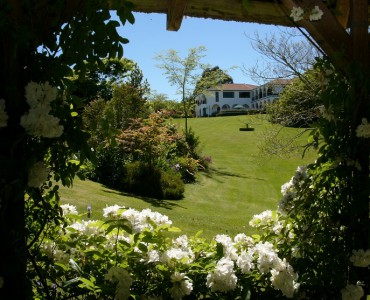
x: 163, y: 203
x: 223, y: 173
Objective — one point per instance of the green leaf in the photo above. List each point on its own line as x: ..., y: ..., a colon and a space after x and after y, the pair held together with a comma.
x: 142, y: 247
x: 74, y: 161
x: 72, y: 281
x: 75, y: 266
x: 199, y: 233
x: 174, y: 229
x: 124, y: 40
x: 120, y: 51
x: 256, y: 237
x: 220, y: 250
x: 130, y: 17
x: 86, y: 282
x: 114, y: 23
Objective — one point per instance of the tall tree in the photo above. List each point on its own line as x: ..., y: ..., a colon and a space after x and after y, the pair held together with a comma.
x: 299, y: 103
x: 286, y: 55
x: 100, y: 80
x: 211, y: 77
x: 183, y: 73
x: 160, y: 101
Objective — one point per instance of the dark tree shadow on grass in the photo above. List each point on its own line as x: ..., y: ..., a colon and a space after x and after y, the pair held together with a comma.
x: 163, y: 203
x: 223, y: 173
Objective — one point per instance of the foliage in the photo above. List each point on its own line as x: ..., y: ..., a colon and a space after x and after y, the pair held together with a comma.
x: 151, y: 181
x: 211, y: 77
x: 109, y: 168
x: 187, y: 167
x: 193, y: 142
x: 152, y: 140
x: 322, y: 208
x: 103, y: 119
x: 237, y: 112
x: 145, y: 157
x: 181, y: 73
x: 286, y: 55
x: 139, y: 254
x: 97, y: 122
x: 160, y: 102
x: 43, y: 134
x: 299, y: 103
x: 127, y: 103
x: 99, y: 81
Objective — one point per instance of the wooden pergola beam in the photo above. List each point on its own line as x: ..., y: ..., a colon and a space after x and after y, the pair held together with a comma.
x: 359, y: 32
x: 327, y: 32
x: 175, y: 14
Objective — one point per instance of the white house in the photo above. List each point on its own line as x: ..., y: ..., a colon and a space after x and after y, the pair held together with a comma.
x: 268, y: 92
x: 238, y: 96
x: 224, y: 97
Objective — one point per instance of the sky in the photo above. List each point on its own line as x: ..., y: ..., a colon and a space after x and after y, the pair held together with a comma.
x: 227, y: 45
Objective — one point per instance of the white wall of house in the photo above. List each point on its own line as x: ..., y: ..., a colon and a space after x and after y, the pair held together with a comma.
x: 236, y: 96
x: 215, y: 101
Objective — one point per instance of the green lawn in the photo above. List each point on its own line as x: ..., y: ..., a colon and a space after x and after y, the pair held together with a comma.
x: 241, y: 183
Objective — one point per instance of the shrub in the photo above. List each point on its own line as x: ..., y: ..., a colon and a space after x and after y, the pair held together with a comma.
x: 109, y: 168
x: 204, y: 162
x: 193, y: 142
x: 187, y: 168
x: 172, y: 186
x: 139, y: 255
x: 87, y: 170
x: 147, y: 180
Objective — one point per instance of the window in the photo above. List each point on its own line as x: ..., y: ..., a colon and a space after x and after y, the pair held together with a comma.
x: 203, y: 99
x: 217, y: 97
x: 244, y: 94
x: 228, y: 94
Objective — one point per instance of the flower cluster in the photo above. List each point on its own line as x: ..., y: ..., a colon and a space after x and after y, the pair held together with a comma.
x: 139, y: 220
x: 88, y: 227
x: 298, y: 13
x: 182, y: 286
x: 69, y: 209
x: 352, y: 292
x: 122, y: 278
x: 327, y: 113
x: 3, y: 114
x: 54, y: 253
x: 37, y: 174
x: 289, y: 189
x: 174, y: 267
x: 249, y: 256
x: 112, y: 211
x: 38, y: 121
x: 179, y: 252
x: 360, y: 258
x: 223, y: 277
x: 363, y: 130
x: 262, y: 219
x: 284, y: 278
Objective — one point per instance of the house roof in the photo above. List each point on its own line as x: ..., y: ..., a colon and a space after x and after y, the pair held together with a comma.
x: 234, y: 87
x: 279, y: 81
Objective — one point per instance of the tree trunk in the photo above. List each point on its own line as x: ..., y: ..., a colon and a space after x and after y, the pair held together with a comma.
x: 13, y: 174
x: 360, y: 83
